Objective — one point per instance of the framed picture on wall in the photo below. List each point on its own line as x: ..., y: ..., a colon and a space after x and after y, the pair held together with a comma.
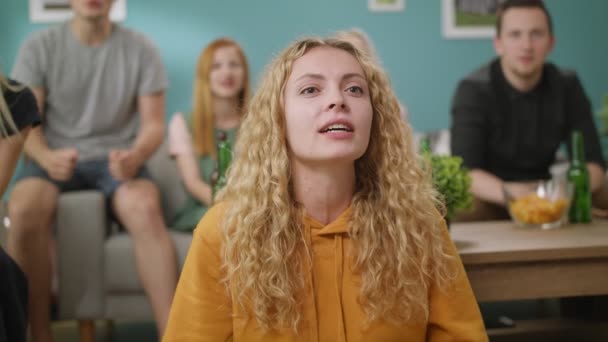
x: 48, y: 11
x: 469, y: 18
x: 386, y: 5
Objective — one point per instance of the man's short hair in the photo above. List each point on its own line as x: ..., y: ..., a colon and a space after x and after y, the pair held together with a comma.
x: 508, y: 4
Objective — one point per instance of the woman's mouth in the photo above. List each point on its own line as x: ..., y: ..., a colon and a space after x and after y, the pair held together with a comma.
x: 337, y: 127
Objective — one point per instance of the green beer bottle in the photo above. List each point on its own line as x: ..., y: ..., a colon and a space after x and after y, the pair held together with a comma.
x: 580, y: 208
x: 224, y: 157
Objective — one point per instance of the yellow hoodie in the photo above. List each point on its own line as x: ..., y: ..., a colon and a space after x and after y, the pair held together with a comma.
x: 203, y: 311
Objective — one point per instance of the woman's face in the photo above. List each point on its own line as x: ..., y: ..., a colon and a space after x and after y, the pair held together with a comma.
x: 328, y: 110
x: 227, y: 74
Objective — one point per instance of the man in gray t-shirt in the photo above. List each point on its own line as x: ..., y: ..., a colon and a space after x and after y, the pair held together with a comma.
x: 100, y: 88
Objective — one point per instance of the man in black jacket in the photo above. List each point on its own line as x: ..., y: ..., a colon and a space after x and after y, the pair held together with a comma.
x: 510, y: 116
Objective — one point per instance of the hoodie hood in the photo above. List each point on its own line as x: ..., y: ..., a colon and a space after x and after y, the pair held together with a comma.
x: 338, y: 226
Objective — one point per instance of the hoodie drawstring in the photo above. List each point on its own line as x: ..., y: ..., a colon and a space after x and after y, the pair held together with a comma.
x: 339, y: 280
x: 310, y: 287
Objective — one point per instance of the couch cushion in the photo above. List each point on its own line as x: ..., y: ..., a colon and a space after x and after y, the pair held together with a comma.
x: 120, y: 274
x: 164, y: 172
x: 128, y: 306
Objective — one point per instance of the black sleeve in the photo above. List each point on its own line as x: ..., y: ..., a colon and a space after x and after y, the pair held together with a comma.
x: 580, y: 117
x: 468, y: 125
x: 23, y: 108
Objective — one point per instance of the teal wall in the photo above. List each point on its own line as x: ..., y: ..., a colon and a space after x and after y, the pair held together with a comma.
x: 424, y: 66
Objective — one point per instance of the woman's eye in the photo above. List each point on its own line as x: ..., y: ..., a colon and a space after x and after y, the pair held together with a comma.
x: 537, y: 34
x: 355, y: 89
x: 308, y: 90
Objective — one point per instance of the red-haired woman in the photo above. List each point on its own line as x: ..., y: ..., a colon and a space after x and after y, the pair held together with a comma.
x: 221, y: 89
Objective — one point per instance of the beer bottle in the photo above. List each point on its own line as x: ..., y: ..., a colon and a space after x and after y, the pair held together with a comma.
x: 578, y: 175
x: 224, y: 157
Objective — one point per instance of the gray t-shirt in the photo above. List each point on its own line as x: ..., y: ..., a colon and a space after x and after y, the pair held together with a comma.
x: 91, y: 92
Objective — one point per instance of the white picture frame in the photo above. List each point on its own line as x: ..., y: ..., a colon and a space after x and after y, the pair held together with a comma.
x: 454, y: 30
x: 49, y: 11
x: 386, y: 5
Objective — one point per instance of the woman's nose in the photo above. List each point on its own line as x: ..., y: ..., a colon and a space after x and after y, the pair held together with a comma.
x: 336, y: 99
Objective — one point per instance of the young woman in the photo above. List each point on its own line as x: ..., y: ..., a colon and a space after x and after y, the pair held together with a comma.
x: 327, y: 229
x: 221, y: 89
x: 18, y: 113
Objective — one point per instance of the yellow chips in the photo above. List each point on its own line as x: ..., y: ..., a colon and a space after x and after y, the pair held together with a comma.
x: 536, y: 210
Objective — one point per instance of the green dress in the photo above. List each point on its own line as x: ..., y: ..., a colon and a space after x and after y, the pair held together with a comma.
x: 192, y: 211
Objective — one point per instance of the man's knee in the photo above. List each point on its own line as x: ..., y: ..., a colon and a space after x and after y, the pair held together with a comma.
x: 32, y: 204
x: 139, y: 197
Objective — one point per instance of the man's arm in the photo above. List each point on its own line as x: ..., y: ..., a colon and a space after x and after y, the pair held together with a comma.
x: 487, y: 186
x: 151, y: 100
x: 124, y: 164
x: 597, y: 176
x: 468, y: 131
x: 467, y: 136
x: 580, y: 118
x: 152, y: 129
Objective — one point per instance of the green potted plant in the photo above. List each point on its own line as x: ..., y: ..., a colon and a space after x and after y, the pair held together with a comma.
x: 451, y: 180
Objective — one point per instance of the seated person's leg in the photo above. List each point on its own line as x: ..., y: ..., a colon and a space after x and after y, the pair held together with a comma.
x: 136, y: 204
x: 31, y: 209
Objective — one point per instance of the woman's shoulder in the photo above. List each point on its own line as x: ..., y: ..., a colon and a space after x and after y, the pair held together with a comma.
x: 181, y: 121
x: 179, y: 135
x: 178, y: 117
x: 209, y: 228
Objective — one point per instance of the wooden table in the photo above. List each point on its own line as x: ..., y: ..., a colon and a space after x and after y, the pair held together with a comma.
x: 504, y: 262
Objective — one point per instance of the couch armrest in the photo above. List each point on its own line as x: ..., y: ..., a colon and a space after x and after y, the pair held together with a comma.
x: 81, y: 232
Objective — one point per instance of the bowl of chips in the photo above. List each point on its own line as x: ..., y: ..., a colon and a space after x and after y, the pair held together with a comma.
x: 541, y: 205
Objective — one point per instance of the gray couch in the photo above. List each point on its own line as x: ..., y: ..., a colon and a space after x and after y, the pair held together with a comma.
x: 96, y: 266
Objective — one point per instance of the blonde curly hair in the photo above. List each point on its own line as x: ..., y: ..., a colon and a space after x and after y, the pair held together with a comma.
x: 396, y: 229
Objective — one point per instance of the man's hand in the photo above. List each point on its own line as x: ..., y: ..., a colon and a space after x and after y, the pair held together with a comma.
x: 60, y: 163
x: 520, y: 189
x: 124, y: 164
x: 597, y: 212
